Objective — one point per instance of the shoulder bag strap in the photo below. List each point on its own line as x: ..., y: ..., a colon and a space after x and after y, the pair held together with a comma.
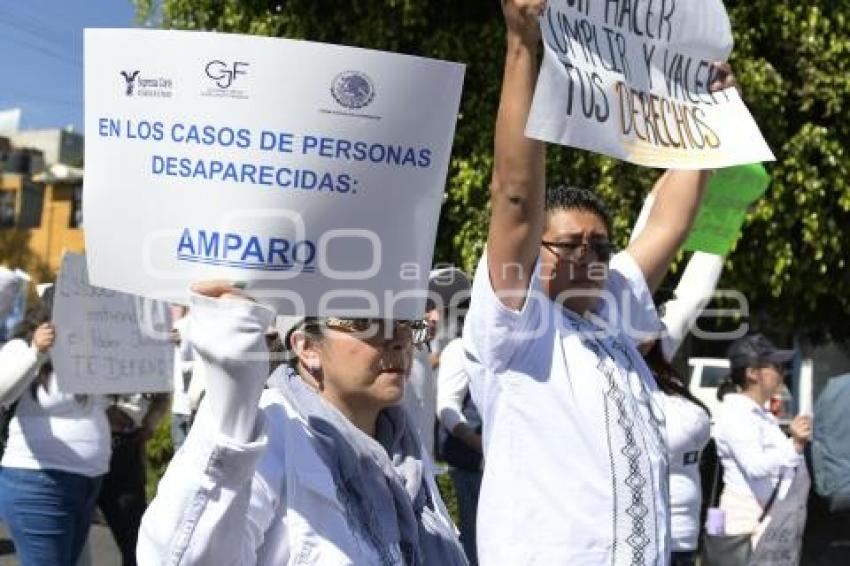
x: 772, y: 498
x: 714, y: 501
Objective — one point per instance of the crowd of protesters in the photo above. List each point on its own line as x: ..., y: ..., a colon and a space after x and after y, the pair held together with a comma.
x: 545, y: 387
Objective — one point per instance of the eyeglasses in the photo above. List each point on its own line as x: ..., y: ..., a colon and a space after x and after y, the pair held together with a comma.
x: 573, y: 250
x: 374, y: 330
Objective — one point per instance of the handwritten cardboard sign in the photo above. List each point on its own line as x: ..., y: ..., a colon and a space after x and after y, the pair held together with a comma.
x: 104, y: 344
x: 631, y: 80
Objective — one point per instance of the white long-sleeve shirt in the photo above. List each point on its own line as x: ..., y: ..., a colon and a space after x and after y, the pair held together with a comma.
x: 692, y: 294
x: 452, y: 385
x: 51, y: 429
x: 19, y: 363
x: 754, y: 451
x: 270, y: 500
x: 688, y: 431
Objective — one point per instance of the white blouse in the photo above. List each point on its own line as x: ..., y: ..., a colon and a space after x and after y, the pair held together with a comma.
x: 688, y: 431
x: 754, y: 451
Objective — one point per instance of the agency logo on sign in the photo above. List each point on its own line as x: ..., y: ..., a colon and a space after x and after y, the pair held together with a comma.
x: 353, y: 90
x: 223, y: 76
x: 140, y: 85
x: 130, y: 81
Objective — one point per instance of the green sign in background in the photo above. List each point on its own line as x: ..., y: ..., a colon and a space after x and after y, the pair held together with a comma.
x: 730, y: 192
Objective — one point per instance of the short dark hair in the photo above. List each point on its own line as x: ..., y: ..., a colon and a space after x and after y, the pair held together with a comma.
x: 563, y: 197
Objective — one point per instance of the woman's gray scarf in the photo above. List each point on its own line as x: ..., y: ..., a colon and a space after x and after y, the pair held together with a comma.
x: 379, y: 481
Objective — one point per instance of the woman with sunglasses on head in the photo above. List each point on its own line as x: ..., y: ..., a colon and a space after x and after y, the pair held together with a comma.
x: 322, y: 467
x: 763, y: 469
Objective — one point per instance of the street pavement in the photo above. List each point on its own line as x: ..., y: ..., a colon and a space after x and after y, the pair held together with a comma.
x: 102, y: 548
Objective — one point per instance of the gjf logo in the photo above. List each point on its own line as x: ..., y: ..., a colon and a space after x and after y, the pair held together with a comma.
x: 225, y: 74
x: 130, y: 81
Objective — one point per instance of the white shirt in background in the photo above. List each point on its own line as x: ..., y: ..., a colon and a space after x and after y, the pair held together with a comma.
x: 58, y: 431
x: 688, y: 431
x: 754, y: 451
x: 694, y: 291
x: 688, y: 424
x: 576, y: 456
x: 452, y: 385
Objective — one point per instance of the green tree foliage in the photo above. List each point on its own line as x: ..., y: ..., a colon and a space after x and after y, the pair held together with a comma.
x: 791, y: 59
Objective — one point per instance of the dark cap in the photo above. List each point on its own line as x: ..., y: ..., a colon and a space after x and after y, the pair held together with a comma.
x: 755, y: 350
x: 449, y: 286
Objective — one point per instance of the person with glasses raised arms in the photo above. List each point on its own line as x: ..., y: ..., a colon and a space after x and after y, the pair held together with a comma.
x: 576, y: 457
x: 323, y: 466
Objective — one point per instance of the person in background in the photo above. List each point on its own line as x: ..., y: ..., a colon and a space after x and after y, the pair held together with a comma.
x: 446, y: 286
x: 133, y: 420
x: 688, y: 420
x: 688, y: 423
x: 57, y: 452
x: 321, y: 467
x: 827, y: 536
x: 761, y: 465
x: 459, y: 440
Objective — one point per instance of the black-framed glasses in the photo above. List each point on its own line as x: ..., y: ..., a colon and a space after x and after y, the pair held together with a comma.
x: 603, y: 250
x: 413, y: 332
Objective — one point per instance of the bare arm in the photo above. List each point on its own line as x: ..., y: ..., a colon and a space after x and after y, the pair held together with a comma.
x: 517, y: 190
x: 678, y: 195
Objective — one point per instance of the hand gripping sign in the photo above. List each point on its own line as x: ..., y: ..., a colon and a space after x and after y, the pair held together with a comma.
x: 313, y: 173
x: 629, y: 79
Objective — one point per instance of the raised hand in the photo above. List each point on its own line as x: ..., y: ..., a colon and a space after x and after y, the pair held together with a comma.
x: 227, y: 329
x: 521, y: 18
x: 723, y: 77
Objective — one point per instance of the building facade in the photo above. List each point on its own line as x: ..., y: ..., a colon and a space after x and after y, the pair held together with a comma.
x: 40, y: 201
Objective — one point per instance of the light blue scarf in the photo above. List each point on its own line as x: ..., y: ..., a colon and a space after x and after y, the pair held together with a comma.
x: 379, y: 481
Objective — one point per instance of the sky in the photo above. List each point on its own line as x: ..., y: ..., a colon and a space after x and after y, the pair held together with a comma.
x: 41, y: 46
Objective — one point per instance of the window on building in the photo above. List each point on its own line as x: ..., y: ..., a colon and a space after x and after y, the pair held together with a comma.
x: 76, y: 220
x: 7, y: 209
x: 32, y: 201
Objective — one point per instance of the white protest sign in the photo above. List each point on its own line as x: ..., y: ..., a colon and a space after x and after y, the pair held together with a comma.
x: 101, y: 345
x: 629, y: 79
x: 778, y: 540
x: 313, y: 173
